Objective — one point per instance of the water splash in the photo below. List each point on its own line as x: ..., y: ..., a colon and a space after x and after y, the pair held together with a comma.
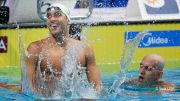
x: 72, y: 84
x: 24, y: 81
x: 125, y: 60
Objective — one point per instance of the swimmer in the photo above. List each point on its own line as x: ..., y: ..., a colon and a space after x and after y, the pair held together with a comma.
x: 51, y: 51
x: 150, y: 73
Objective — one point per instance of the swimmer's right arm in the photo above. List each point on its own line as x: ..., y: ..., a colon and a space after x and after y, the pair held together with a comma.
x: 30, y: 62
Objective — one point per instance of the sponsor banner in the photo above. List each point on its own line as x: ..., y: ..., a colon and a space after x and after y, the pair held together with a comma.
x: 160, y: 9
x: 157, y: 38
x: 3, y: 44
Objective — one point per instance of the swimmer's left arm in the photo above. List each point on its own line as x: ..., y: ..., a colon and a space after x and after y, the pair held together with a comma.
x: 92, y: 71
x: 162, y: 90
x: 166, y: 87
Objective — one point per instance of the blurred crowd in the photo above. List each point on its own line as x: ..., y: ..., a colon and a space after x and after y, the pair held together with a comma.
x: 102, y: 3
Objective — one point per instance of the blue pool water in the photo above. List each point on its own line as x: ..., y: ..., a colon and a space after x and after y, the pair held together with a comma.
x: 125, y: 93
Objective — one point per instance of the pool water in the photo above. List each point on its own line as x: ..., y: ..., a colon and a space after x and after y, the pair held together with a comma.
x: 125, y: 92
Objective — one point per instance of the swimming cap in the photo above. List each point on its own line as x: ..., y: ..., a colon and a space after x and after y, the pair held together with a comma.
x: 64, y: 9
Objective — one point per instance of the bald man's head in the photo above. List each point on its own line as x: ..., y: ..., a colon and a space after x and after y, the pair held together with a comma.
x: 157, y: 61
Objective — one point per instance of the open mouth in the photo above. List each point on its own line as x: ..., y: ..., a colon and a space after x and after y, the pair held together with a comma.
x: 53, y: 26
x: 141, y: 78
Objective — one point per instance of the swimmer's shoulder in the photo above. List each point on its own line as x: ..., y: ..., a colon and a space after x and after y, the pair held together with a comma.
x: 33, y: 46
x: 76, y: 42
x: 36, y: 45
x: 165, y: 87
x: 164, y: 84
x: 85, y: 46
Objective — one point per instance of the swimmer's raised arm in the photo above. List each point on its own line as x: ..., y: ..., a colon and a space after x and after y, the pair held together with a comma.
x: 31, y: 60
x: 92, y: 71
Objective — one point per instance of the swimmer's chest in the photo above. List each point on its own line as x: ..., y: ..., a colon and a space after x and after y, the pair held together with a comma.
x: 54, y: 57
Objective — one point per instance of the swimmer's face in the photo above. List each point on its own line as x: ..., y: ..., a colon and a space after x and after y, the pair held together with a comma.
x: 56, y: 21
x: 148, y: 74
